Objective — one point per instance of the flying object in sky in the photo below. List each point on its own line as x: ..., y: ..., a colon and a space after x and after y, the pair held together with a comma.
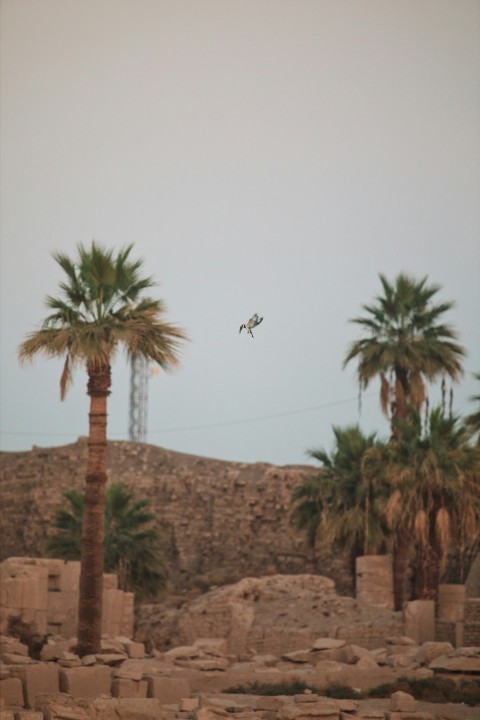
x: 253, y: 322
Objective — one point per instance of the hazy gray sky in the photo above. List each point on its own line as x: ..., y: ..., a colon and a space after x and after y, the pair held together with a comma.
x: 267, y: 156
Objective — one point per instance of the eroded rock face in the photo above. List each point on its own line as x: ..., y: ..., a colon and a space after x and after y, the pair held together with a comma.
x: 271, y: 615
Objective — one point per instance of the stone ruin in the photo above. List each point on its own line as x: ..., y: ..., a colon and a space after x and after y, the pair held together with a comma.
x: 274, y: 625
x: 275, y: 629
x: 43, y: 592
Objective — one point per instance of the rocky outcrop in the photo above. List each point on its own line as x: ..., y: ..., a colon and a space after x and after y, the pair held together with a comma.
x: 220, y: 521
x: 274, y: 614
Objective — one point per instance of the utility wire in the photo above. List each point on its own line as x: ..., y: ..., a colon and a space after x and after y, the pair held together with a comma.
x: 206, y: 426
x: 259, y: 418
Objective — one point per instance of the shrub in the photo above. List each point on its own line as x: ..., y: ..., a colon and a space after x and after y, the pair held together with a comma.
x: 296, y: 687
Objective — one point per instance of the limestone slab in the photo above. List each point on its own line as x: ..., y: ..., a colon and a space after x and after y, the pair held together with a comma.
x: 166, y: 689
x: 125, y: 688
x: 36, y: 679
x: 11, y: 691
x: 86, y: 682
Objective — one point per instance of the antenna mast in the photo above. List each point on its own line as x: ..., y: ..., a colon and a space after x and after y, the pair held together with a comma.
x: 137, y: 430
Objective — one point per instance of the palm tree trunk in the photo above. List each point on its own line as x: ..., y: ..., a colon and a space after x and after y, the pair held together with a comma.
x: 400, y: 405
x: 93, y: 531
x: 430, y: 576
x: 401, y: 557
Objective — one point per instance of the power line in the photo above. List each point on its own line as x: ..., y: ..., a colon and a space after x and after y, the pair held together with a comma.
x: 259, y: 418
x: 223, y: 423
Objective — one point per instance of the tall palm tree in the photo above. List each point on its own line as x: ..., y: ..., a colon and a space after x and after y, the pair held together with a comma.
x: 434, y: 503
x: 344, y: 499
x: 101, y: 307
x: 407, y: 345
x: 131, y: 541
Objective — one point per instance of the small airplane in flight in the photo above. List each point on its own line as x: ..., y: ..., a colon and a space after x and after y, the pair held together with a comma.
x: 253, y: 322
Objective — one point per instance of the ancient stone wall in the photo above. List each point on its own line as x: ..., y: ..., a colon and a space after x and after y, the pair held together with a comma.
x: 44, y: 593
x: 220, y: 521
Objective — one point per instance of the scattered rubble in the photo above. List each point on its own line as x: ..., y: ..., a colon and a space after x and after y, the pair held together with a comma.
x: 190, y: 682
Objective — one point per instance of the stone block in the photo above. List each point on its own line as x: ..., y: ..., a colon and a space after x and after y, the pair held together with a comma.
x: 400, y: 640
x: 451, y: 602
x: 111, y: 658
x: 63, y: 610
x: 212, y: 646
x: 398, y: 715
x: 70, y: 576
x: 110, y: 581
x: 11, y: 692
x: 327, y: 643
x: 14, y: 659
x: 401, y: 650
x: 188, y: 704
x: 129, y: 671
x: 352, y: 654
x: 35, y: 591
x: 128, y: 616
x: 28, y: 715
x: 402, y: 701
x: 367, y: 663
x: 112, y: 612
x: 86, y: 682
x: 10, y: 645
x: 323, y: 708
x: 125, y: 688
x: 7, y: 715
x: 268, y: 703
x: 431, y: 650
x: 59, y: 706
x: 36, y: 679
x: 419, y: 620
x: 166, y: 689
x: 374, y: 580
x: 467, y: 665
x: 12, y: 589
x: 139, y: 709
x: 306, y: 698
x: 5, y: 613
x: 134, y: 649
x: 347, y: 706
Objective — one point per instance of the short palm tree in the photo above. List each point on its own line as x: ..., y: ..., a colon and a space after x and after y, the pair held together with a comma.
x: 131, y: 541
x: 407, y: 345
x: 434, y: 502
x: 473, y: 421
x: 101, y: 308
x: 343, y: 500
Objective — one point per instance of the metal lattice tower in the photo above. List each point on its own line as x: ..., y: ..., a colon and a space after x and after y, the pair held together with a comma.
x: 137, y: 430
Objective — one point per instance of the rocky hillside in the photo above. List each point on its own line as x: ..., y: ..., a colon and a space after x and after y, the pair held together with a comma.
x: 220, y: 521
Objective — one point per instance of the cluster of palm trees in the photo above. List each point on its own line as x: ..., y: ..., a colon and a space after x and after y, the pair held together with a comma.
x: 370, y: 495
x: 417, y: 494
